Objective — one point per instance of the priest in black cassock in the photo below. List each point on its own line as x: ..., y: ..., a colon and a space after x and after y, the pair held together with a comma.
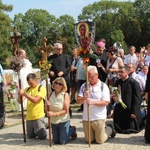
x: 128, y: 120
x: 147, y: 90
x: 60, y: 65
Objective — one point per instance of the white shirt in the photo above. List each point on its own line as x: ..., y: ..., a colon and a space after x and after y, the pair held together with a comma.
x: 143, y: 75
x: 97, y: 94
x: 139, y: 79
x: 129, y: 59
x: 147, y: 60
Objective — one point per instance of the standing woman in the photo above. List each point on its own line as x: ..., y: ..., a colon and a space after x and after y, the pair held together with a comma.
x: 112, y: 66
x: 112, y: 69
x: 147, y: 127
x: 59, y: 113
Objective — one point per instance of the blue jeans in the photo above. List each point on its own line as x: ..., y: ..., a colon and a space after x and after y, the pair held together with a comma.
x: 61, y: 132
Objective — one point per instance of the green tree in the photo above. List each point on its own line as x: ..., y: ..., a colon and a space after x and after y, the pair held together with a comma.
x: 112, y: 17
x: 34, y: 25
x: 66, y: 27
x: 143, y: 15
x: 5, y: 28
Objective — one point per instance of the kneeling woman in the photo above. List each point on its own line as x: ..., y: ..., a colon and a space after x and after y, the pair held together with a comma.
x: 59, y: 113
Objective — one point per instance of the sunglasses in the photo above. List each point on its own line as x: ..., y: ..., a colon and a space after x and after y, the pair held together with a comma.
x: 59, y: 83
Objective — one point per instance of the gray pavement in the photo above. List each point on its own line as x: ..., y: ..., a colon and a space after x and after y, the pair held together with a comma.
x: 11, y: 138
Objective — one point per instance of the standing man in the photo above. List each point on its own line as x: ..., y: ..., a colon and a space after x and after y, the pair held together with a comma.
x: 98, y: 98
x: 60, y: 65
x: 131, y: 57
x: 25, y: 70
x: 35, y: 95
x: 137, y: 77
x: 102, y: 59
x: 2, y: 104
x: 128, y: 120
x: 73, y: 83
x: 80, y: 76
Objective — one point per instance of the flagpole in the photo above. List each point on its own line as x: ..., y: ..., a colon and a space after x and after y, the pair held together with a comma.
x: 49, y: 122
x: 88, y: 108
x: 22, y: 112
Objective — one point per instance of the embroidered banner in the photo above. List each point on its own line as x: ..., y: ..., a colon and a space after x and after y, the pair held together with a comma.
x: 84, y: 34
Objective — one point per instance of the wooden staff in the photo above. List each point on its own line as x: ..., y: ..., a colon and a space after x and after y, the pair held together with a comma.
x: 88, y: 108
x: 22, y: 113
x: 49, y: 122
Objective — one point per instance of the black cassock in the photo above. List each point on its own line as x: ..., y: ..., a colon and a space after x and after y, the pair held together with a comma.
x: 147, y: 89
x: 130, y: 93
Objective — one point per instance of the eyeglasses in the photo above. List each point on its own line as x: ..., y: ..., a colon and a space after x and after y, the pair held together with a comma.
x: 59, y: 83
x: 59, y: 49
x: 90, y: 78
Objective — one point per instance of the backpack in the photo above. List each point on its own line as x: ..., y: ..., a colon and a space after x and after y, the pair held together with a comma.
x: 43, y: 98
x: 38, y: 88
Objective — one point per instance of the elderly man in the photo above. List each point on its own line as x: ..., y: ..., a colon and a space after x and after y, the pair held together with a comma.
x: 25, y: 70
x: 60, y: 65
x: 35, y: 95
x: 98, y: 98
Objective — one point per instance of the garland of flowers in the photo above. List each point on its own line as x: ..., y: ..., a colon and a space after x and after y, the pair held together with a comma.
x: 44, y: 68
x: 15, y: 63
x: 11, y: 94
x: 85, y: 54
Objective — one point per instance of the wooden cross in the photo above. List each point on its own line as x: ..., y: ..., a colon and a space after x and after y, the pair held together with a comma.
x: 44, y: 49
x: 15, y: 41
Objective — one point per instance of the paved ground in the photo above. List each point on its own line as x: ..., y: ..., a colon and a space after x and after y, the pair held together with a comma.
x: 11, y: 138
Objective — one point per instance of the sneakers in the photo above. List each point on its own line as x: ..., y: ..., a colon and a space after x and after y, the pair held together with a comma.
x: 74, y: 135
x: 113, y: 131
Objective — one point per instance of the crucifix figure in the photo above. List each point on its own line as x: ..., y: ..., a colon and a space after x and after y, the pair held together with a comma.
x: 15, y: 40
x: 44, y: 49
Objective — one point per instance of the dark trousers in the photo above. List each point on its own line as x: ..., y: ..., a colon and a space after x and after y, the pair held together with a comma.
x: 2, y: 106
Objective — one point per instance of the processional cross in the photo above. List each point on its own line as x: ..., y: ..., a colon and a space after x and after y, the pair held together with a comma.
x: 15, y: 41
x: 44, y: 49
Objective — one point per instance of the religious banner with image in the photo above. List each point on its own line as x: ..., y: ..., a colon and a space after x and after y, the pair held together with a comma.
x: 84, y: 34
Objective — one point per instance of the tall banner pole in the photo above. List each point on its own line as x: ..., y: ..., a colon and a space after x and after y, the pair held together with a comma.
x: 15, y: 38
x: 22, y: 112
x: 88, y: 108
x: 48, y: 109
x: 85, y: 36
x: 44, y: 66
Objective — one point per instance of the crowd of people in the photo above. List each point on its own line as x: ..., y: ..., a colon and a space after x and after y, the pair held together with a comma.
x: 128, y: 74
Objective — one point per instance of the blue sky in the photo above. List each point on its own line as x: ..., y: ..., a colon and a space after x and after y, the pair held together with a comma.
x: 54, y: 7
